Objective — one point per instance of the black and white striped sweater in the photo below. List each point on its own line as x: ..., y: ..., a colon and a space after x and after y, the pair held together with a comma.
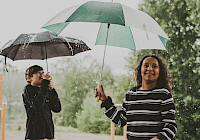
x: 147, y: 113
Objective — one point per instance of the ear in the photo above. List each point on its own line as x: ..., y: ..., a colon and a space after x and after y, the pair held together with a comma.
x: 28, y: 78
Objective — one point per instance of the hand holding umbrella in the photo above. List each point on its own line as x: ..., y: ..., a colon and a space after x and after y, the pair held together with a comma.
x: 99, y: 93
x: 48, y: 77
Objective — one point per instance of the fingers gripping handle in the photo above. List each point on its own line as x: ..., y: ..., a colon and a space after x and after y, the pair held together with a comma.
x: 99, y: 90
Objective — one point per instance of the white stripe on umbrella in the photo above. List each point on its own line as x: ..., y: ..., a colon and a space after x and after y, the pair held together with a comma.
x: 119, y: 36
x: 151, y: 42
x: 137, y: 19
x: 83, y: 30
x: 105, y: 12
x: 59, y: 18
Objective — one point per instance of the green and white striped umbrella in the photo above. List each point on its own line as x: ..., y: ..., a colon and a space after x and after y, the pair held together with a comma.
x: 128, y: 28
x: 113, y: 24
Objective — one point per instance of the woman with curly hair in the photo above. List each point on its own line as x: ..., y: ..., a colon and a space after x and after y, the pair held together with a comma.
x: 148, y: 109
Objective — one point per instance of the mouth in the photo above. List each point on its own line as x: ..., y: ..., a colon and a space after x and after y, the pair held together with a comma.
x: 41, y: 78
x: 149, y: 74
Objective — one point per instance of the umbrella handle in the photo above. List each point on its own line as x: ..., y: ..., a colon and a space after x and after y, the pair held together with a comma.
x: 99, y: 90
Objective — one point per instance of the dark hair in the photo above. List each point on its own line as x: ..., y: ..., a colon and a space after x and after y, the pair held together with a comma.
x: 32, y: 70
x: 163, y: 79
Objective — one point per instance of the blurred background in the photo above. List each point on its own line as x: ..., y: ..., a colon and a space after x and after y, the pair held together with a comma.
x: 75, y: 78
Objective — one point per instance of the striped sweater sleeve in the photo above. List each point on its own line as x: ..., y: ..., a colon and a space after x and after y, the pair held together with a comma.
x: 168, y: 118
x: 117, y: 116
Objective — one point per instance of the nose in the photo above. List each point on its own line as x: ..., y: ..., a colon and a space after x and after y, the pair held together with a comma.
x: 150, y: 68
x: 42, y: 75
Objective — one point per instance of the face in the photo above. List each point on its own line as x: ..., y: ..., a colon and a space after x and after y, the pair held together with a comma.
x: 150, y: 70
x: 37, y: 78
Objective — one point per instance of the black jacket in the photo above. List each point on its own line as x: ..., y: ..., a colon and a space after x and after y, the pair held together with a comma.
x: 39, y: 102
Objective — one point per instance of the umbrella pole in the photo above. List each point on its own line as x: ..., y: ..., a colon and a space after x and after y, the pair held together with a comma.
x: 46, y: 56
x: 100, y: 90
x: 47, y: 65
x: 104, y: 54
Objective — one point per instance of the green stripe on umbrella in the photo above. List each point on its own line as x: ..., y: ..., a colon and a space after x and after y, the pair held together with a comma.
x: 106, y: 12
x: 119, y: 36
x: 163, y: 40
x: 98, y: 12
x: 128, y: 28
x: 57, y: 28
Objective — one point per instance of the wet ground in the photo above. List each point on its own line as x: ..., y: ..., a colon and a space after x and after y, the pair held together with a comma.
x: 19, y: 135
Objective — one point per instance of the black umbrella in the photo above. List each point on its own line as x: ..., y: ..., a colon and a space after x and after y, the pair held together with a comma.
x: 42, y: 45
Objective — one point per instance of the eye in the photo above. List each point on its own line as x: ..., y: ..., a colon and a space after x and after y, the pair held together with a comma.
x: 40, y: 73
x: 155, y: 66
x: 146, y: 65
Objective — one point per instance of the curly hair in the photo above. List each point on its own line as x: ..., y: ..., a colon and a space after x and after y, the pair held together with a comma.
x: 163, y: 80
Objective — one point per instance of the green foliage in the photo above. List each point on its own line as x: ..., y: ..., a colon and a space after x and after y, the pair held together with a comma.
x: 13, y: 84
x: 180, y: 20
x: 12, y: 91
x: 92, y: 119
x: 75, y: 82
x: 19, y: 128
x: 121, y: 86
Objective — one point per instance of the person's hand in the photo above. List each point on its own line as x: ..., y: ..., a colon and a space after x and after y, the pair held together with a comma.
x: 51, y: 86
x: 155, y: 138
x: 48, y: 76
x: 102, y: 95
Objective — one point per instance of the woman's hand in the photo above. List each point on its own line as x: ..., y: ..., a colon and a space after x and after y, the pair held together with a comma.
x: 155, y: 138
x: 102, y: 95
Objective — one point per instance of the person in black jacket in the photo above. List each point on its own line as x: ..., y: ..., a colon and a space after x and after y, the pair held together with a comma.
x: 40, y: 99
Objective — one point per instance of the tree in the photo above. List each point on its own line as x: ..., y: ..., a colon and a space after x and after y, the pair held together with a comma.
x: 74, y: 82
x: 13, y: 84
x: 92, y: 119
x: 180, y: 20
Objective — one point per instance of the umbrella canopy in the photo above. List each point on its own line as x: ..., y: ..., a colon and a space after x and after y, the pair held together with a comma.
x: 117, y: 25
x: 42, y: 45
x: 128, y: 28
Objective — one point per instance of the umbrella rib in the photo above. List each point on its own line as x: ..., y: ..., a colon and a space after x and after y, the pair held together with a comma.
x: 70, y: 48
x: 31, y: 52
x: 28, y: 45
x: 19, y: 48
x: 46, y: 55
x: 16, y: 53
x: 43, y: 51
x: 56, y: 50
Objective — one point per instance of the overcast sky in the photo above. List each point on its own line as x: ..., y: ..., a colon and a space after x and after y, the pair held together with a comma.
x: 26, y: 16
